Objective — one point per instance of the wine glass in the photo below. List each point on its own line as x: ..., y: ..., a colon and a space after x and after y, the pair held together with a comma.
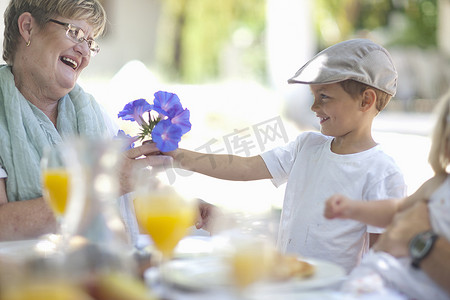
x: 162, y: 211
x: 55, y: 184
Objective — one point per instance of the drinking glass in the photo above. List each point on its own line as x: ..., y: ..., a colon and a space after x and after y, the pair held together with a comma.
x: 247, y: 242
x: 163, y: 212
x: 55, y: 183
x: 55, y: 180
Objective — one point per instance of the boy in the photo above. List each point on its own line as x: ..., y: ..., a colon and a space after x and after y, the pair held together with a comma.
x: 351, y: 82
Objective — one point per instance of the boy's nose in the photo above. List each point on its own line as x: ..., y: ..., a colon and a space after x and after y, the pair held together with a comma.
x: 315, y: 106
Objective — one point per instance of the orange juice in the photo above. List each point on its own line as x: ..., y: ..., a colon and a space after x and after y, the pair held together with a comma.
x: 56, y: 189
x: 250, y: 262
x: 166, y: 218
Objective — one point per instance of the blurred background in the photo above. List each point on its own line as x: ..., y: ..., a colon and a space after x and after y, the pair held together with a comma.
x: 229, y: 62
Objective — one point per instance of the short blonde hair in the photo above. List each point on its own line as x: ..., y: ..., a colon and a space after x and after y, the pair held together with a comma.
x: 43, y: 10
x: 440, y: 141
x: 355, y: 88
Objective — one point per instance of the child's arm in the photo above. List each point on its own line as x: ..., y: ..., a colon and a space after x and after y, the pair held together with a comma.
x: 375, y: 213
x: 223, y: 166
x: 378, y: 213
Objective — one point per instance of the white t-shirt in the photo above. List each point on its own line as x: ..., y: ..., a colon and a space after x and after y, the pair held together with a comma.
x: 313, y: 173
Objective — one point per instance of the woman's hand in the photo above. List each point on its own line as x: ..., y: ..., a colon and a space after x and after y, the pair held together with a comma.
x: 338, y: 206
x: 137, y: 158
x: 405, y: 225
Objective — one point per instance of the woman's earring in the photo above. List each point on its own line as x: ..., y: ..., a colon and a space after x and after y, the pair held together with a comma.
x: 28, y: 43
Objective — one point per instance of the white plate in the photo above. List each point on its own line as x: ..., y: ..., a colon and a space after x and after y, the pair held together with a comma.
x: 207, y: 273
x: 327, y: 274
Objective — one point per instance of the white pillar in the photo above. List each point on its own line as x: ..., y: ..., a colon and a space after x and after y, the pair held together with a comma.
x: 291, y: 43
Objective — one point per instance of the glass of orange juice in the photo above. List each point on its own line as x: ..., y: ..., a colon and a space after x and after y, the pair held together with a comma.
x: 250, y: 262
x: 162, y: 211
x: 248, y: 246
x: 55, y: 182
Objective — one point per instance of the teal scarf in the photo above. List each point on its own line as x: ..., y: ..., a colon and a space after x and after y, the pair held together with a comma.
x: 25, y: 131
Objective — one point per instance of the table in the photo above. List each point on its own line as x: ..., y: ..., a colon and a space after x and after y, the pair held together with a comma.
x: 17, y: 250
x: 186, y: 250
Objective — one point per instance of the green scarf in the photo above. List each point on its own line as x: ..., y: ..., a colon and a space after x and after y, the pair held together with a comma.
x: 25, y: 131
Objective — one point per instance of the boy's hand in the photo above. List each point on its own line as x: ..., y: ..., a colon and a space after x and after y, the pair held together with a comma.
x: 206, y: 215
x: 338, y: 206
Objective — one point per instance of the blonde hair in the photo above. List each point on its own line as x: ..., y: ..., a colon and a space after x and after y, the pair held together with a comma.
x: 440, y: 141
x: 355, y: 88
x: 42, y: 11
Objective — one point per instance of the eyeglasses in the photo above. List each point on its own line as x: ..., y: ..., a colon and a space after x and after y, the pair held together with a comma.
x: 77, y: 35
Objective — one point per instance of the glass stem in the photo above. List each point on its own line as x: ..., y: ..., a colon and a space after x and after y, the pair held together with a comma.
x: 165, y: 285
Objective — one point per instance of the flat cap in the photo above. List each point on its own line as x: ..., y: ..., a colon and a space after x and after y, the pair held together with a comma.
x: 359, y: 59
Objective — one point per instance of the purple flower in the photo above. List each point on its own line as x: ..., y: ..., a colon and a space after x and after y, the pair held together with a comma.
x: 133, y: 111
x: 167, y: 104
x: 166, y: 136
x: 167, y: 121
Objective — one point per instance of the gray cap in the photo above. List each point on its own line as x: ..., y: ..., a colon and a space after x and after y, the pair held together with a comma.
x: 358, y: 59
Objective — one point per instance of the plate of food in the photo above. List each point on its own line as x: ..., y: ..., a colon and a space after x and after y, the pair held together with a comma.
x: 300, y: 274
x: 288, y: 274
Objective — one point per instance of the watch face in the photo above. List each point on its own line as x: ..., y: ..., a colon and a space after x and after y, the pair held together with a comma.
x: 421, y: 244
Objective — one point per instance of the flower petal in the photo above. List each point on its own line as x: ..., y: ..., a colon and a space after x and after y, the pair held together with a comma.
x: 166, y: 136
x: 133, y: 110
x: 182, y: 120
x: 167, y: 104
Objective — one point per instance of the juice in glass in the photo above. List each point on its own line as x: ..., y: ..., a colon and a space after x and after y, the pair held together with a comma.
x: 251, y: 261
x: 166, y: 218
x: 56, y: 189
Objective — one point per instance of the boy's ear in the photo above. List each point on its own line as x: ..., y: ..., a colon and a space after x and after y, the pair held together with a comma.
x: 369, y: 98
x: 25, y: 24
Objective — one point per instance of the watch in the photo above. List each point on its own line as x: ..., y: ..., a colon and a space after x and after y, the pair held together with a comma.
x: 420, y: 246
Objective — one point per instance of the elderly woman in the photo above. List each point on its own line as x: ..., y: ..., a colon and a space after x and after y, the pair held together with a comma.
x: 47, y: 43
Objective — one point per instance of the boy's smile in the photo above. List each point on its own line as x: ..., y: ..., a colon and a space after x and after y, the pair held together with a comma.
x: 323, y: 119
x: 342, y: 116
x: 335, y: 108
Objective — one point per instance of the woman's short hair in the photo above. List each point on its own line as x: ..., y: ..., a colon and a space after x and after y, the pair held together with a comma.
x: 440, y: 140
x: 90, y: 11
x: 355, y: 88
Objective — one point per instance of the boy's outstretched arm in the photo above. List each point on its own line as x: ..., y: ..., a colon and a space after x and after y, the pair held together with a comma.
x: 222, y: 166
